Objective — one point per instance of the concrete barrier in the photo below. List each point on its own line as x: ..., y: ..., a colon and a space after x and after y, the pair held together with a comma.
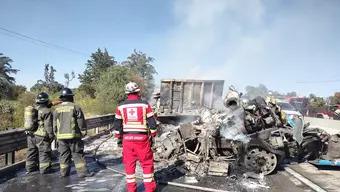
x: 329, y: 125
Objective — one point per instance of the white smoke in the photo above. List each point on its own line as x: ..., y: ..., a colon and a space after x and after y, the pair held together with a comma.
x: 245, y: 42
x: 232, y: 125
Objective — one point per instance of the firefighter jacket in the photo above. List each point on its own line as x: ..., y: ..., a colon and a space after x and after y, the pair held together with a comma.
x: 68, y: 121
x: 45, y: 122
x: 134, y: 116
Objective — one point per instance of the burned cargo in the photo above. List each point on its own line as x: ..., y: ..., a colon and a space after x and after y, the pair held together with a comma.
x: 254, y: 137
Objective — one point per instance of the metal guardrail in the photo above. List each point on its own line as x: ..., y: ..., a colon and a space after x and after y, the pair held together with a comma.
x: 15, y: 139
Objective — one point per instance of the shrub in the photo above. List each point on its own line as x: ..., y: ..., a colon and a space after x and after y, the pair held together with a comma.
x: 6, y: 114
x: 24, y: 100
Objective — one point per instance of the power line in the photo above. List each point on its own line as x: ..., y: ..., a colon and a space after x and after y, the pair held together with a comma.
x: 21, y: 38
x: 41, y: 42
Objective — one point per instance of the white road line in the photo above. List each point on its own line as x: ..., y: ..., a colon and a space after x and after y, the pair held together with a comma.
x: 304, y: 180
x: 292, y: 179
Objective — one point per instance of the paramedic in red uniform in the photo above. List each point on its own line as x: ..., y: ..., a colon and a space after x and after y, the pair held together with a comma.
x: 135, y: 125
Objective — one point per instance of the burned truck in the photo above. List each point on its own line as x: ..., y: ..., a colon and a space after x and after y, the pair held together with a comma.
x: 253, y: 137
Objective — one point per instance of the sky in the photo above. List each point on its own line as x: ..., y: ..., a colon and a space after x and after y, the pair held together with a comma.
x: 287, y: 45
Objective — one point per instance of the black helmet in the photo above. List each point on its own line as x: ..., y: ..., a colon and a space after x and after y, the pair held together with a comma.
x: 42, y: 98
x: 66, y: 92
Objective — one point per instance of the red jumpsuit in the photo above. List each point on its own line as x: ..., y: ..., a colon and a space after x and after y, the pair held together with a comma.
x: 134, y: 123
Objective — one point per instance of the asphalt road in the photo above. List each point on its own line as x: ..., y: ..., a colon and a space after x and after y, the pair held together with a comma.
x: 106, y: 180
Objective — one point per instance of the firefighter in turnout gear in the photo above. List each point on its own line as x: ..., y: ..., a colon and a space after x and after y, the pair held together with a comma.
x: 39, y: 139
x: 135, y: 125
x: 68, y: 122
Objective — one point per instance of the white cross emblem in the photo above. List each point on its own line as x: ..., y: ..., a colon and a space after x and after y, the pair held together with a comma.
x: 132, y: 113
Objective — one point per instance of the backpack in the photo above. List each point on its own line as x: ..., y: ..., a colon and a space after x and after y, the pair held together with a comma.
x: 31, y: 119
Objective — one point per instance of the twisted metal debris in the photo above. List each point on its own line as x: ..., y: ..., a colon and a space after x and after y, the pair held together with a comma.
x: 254, y: 137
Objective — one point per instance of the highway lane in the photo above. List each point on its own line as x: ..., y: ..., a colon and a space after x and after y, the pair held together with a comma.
x: 106, y: 180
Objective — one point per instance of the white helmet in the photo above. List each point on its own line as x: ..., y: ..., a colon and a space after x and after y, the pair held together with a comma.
x: 131, y: 87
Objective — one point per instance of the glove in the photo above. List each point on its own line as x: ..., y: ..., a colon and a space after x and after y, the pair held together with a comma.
x: 119, y: 142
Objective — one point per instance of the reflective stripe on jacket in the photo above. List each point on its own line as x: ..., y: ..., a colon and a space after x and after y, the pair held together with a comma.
x: 68, y: 121
x: 45, y: 121
x: 133, y: 116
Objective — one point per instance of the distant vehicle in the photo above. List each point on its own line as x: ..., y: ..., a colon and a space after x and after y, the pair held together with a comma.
x: 322, y: 116
x: 328, y: 112
x: 300, y: 103
x: 288, y: 109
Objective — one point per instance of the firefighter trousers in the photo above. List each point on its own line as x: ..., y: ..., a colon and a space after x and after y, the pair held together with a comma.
x: 38, y: 154
x: 138, y: 150
x: 71, y: 149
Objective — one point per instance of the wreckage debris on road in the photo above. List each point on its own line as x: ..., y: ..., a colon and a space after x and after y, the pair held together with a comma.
x: 253, y: 138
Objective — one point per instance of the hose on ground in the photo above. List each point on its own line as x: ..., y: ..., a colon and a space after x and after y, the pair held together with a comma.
x: 176, y: 184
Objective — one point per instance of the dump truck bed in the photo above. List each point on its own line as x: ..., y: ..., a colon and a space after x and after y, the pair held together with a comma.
x: 179, y: 97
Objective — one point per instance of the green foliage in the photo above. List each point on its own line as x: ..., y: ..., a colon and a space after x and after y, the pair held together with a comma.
x: 24, y: 100
x: 110, y: 88
x: 141, y: 64
x: 88, y: 104
x: 6, y: 114
x: 12, y: 112
x: 316, y: 102
x: 99, y: 62
x: 6, y: 80
x: 336, y: 99
x: 49, y: 84
x: 15, y: 91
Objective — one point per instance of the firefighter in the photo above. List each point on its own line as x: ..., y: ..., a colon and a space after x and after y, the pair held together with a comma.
x: 135, y: 126
x: 68, y: 122
x: 39, y: 141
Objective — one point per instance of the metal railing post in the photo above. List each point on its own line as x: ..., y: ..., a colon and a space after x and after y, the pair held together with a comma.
x: 10, y: 158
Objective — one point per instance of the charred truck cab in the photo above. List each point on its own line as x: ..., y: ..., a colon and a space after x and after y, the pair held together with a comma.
x: 207, y: 137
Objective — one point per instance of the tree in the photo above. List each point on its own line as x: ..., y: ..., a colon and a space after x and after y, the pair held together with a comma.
x: 140, y: 63
x: 336, y: 98
x: 99, y: 62
x: 291, y: 94
x: 15, y: 91
x: 6, y: 114
x: 25, y: 99
x: 6, y: 80
x: 49, y: 84
x: 316, y: 102
x: 110, y: 87
x: 68, y: 78
x: 252, y: 92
